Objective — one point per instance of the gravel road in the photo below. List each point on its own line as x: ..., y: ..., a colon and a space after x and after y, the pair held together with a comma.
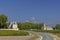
x: 14, y: 37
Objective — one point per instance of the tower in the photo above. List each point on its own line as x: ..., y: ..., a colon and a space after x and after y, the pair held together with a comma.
x: 44, y: 25
x: 13, y: 26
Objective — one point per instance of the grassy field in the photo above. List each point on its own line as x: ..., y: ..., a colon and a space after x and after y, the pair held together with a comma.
x: 13, y: 33
x: 48, y: 31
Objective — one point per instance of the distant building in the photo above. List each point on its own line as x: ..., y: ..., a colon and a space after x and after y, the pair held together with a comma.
x: 47, y: 27
x: 13, y: 26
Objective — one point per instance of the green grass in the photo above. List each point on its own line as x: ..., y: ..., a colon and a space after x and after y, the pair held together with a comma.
x: 13, y: 33
x: 48, y: 31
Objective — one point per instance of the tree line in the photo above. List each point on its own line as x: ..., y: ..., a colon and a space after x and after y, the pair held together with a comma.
x: 26, y: 25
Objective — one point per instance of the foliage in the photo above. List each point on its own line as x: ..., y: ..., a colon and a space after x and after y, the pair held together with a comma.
x: 12, y: 33
x: 48, y: 31
x: 3, y: 21
x: 28, y: 26
x: 58, y: 26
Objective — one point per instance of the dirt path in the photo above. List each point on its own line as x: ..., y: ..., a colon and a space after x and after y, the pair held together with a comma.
x: 14, y: 37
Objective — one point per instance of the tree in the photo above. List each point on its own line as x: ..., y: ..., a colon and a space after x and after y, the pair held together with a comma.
x: 29, y: 25
x: 3, y: 21
x: 57, y: 26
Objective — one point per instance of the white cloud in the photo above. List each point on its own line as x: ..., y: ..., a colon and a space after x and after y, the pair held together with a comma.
x: 27, y: 21
x: 33, y: 18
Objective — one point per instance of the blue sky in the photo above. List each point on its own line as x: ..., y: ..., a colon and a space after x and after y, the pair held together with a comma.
x: 47, y: 11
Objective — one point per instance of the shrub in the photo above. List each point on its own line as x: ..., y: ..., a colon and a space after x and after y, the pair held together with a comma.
x: 48, y: 31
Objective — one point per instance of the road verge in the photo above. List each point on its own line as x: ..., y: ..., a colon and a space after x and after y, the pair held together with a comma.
x: 35, y: 36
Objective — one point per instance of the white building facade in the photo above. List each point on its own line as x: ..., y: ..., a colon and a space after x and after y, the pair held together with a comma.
x: 47, y: 27
x: 13, y: 26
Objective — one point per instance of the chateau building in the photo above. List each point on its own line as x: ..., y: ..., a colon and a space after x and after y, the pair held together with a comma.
x: 47, y: 27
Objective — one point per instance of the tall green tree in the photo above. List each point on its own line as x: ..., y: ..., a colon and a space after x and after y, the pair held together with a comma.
x: 3, y: 21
